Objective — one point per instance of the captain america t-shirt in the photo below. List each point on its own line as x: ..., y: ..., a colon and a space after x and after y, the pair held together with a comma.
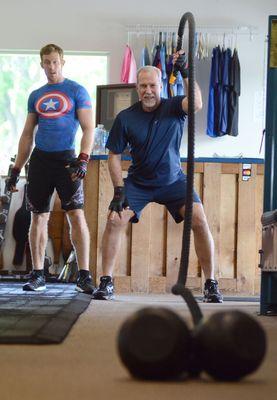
x: 56, y: 106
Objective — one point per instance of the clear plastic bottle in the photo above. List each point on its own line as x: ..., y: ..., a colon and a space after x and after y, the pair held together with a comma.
x: 98, y: 147
x: 105, y: 136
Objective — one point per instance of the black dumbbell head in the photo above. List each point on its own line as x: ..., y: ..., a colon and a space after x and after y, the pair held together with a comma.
x: 230, y: 345
x: 155, y: 343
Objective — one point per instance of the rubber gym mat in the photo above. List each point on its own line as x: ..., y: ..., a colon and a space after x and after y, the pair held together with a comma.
x: 39, y: 318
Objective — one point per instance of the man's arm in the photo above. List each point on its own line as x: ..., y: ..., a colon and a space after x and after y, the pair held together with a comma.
x: 86, y: 121
x: 26, y: 141
x: 179, y: 59
x: 114, y: 164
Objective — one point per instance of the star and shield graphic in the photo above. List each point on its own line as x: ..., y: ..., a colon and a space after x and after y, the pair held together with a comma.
x: 53, y: 105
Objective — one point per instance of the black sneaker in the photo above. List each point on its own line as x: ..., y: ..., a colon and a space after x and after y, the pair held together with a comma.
x: 36, y: 283
x: 105, y: 291
x: 211, y: 292
x: 84, y: 284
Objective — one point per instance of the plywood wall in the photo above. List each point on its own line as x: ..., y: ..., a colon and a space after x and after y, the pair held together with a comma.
x: 150, y: 251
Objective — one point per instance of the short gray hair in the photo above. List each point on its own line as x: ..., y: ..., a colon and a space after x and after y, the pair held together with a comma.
x: 149, y: 68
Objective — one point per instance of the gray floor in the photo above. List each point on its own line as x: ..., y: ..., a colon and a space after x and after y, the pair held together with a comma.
x: 86, y: 364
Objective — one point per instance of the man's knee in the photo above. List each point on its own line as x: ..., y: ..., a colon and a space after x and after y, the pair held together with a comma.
x: 199, y: 220
x: 76, y: 217
x: 40, y: 219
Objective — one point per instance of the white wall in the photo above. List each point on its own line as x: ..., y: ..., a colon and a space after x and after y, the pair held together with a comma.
x: 89, y: 25
x: 101, y: 26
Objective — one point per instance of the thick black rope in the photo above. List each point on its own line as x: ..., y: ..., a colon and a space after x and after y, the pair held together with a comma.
x: 179, y: 288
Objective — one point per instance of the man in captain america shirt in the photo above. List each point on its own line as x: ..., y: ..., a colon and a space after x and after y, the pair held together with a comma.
x: 56, y: 110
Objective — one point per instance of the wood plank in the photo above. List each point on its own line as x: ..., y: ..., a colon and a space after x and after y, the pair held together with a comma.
x: 194, y: 283
x: 260, y: 169
x: 173, y: 245
x: 122, y: 284
x: 230, y: 168
x: 259, y: 194
x: 123, y: 263
x: 157, y: 240
x: 228, y: 285
x: 228, y: 225
x: 246, y: 238
x: 141, y: 252
x: 211, y: 203
x: 157, y: 284
x: 105, y: 195
x: 198, y: 167
x: 91, y: 193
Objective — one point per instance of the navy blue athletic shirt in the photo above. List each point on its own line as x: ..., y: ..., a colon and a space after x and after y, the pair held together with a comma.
x: 154, y: 140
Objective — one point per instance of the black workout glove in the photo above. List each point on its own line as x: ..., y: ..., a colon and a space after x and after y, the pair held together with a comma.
x: 13, y: 178
x: 119, y: 201
x: 79, y: 166
x: 181, y: 65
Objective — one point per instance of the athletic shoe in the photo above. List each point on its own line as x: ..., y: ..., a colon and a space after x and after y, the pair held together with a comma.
x: 84, y: 284
x: 105, y: 291
x: 36, y: 282
x: 211, y: 292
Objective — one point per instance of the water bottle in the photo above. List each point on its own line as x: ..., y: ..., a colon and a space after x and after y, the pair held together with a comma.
x: 105, y: 136
x: 98, y: 140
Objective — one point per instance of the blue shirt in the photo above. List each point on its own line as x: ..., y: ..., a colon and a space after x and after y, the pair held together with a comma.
x: 56, y: 106
x: 154, y: 140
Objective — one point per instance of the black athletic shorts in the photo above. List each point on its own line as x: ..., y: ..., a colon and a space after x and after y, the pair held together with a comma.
x: 47, y: 171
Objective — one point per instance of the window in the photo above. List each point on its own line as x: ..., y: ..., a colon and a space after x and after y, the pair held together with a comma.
x: 20, y: 74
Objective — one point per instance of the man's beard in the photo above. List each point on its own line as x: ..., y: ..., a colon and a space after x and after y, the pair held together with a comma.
x: 149, y: 102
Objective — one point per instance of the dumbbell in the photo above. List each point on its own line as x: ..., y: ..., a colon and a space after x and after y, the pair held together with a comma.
x: 155, y: 343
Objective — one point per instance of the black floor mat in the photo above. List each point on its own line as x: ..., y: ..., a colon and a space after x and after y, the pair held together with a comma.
x: 39, y: 318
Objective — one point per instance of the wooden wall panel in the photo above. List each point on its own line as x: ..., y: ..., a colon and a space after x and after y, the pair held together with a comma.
x: 211, y: 203
x: 228, y: 226
x: 91, y: 189
x: 105, y: 194
x: 157, y: 240
x: 150, y: 251
x: 246, y: 238
x: 140, y: 259
x: 173, y: 245
x: 258, y: 228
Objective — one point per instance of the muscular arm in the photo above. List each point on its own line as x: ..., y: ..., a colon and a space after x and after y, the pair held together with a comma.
x: 26, y: 141
x: 86, y: 121
x: 114, y: 164
x: 197, y: 98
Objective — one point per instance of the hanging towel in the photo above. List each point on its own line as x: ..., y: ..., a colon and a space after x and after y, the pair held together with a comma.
x: 215, y: 94
x: 145, y: 57
x: 225, y: 66
x: 129, y: 67
x: 234, y: 93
